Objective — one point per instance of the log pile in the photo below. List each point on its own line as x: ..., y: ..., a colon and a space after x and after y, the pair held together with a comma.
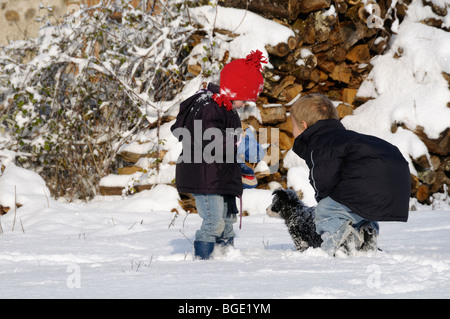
x: 433, y: 175
x: 330, y: 53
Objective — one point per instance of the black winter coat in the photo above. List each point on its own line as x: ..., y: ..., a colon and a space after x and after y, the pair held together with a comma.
x: 364, y: 173
x: 222, y: 175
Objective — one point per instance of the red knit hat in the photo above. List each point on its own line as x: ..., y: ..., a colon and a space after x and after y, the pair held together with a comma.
x: 241, y: 79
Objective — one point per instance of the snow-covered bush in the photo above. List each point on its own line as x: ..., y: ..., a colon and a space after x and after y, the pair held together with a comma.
x: 71, y: 97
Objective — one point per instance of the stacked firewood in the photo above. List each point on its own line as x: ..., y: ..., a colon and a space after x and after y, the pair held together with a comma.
x: 433, y: 174
x: 330, y: 53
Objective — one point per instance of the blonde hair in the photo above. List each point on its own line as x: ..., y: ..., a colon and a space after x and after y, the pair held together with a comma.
x: 313, y: 107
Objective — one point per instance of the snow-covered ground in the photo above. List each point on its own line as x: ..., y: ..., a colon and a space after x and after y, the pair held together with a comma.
x: 137, y: 248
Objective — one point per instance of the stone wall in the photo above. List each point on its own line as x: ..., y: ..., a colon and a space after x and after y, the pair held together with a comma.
x: 17, y: 17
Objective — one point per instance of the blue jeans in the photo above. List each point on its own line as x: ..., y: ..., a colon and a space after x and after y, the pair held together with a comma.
x: 332, y: 219
x: 216, y: 222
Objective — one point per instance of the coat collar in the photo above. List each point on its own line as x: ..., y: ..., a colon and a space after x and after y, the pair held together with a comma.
x: 214, y: 88
x: 322, y: 126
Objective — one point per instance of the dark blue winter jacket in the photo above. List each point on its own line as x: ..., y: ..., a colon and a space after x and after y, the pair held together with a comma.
x: 365, y: 173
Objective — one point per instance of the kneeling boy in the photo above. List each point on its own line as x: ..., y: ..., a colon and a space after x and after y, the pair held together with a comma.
x: 358, y: 179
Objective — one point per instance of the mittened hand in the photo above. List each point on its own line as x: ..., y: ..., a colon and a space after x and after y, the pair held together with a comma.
x: 249, y: 148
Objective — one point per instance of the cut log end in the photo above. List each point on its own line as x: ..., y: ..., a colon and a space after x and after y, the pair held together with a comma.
x: 422, y: 193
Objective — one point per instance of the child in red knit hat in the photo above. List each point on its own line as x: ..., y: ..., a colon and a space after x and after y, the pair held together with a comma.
x: 216, y: 184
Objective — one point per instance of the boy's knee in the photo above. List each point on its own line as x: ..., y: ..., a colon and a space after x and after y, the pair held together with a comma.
x: 323, y: 208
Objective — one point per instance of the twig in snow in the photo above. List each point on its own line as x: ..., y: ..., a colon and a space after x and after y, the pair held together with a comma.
x: 181, y: 231
x: 15, y: 207
x: 23, y: 230
x: 48, y: 202
x: 265, y: 244
x: 172, y: 222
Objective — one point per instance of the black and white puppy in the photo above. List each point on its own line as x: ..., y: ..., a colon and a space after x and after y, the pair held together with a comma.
x: 298, y: 217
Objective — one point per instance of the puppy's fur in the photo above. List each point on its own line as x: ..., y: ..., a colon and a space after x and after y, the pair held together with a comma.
x: 299, y: 218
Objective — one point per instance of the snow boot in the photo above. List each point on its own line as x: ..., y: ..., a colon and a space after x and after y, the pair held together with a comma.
x: 369, y: 234
x: 225, y: 241
x: 223, y: 245
x: 203, y: 249
x: 350, y: 241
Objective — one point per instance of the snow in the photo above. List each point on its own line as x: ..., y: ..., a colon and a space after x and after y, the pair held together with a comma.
x: 22, y: 192
x: 255, y: 32
x: 146, y: 142
x: 407, y: 86
x: 412, y: 83
x: 138, y: 247
x: 164, y: 176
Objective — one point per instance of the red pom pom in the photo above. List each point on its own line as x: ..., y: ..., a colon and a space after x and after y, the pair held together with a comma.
x: 255, y: 58
x: 223, y: 100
